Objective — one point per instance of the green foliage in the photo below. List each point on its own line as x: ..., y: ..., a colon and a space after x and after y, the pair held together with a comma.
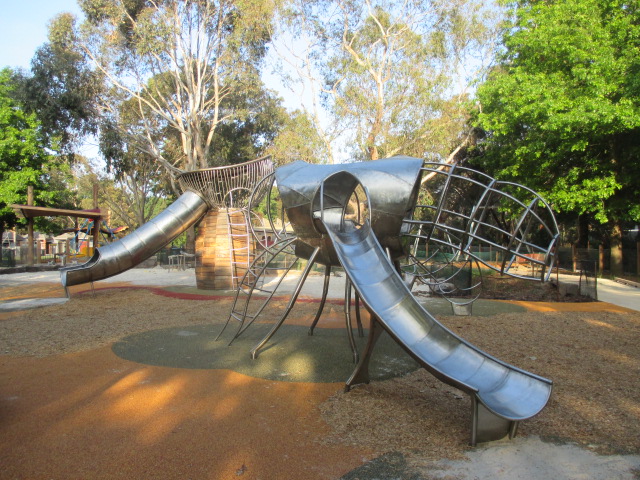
x: 562, y: 110
x: 61, y: 89
x: 258, y: 118
x: 24, y: 159
x: 298, y: 140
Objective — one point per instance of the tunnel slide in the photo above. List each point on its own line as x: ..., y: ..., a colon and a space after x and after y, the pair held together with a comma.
x: 139, y: 245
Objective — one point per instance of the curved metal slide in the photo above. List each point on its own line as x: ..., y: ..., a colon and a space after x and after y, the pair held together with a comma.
x: 139, y: 245
x: 502, y: 395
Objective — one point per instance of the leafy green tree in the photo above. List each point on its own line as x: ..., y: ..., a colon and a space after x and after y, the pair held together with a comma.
x: 249, y: 134
x: 24, y: 157
x: 562, y: 110
x: 133, y: 197
x: 61, y: 89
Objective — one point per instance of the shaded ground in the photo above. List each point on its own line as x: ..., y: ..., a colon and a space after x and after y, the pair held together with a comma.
x: 509, y: 288
x: 69, y: 404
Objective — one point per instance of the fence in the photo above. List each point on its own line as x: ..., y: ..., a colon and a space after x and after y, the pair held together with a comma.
x: 592, y: 260
x: 14, y: 256
x: 597, y: 259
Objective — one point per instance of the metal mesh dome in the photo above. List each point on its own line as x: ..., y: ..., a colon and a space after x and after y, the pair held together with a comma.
x: 228, y: 186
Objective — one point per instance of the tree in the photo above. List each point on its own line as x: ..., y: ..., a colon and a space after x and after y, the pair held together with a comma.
x: 24, y: 159
x: 386, y: 70
x: 61, y: 89
x: 133, y: 197
x: 562, y: 110
x: 248, y: 135
x: 178, y: 62
x: 298, y: 140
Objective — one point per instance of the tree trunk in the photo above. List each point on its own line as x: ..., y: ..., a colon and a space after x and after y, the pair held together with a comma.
x: 600, y: 258
x: 583, y: 231
x: 2, y: 242
x: 638, y: 255
x: 30, y: 237
x: 616, y: 249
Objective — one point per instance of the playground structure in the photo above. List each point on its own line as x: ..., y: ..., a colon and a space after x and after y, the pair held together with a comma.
x: 86, y: 235
x: 83, y: 236
x: 390, y: 224
x: 370, y: 219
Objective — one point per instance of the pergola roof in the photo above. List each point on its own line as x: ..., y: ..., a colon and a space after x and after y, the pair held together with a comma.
x: 29, y: 211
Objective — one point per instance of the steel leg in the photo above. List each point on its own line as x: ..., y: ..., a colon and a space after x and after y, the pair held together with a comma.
x: 487, y: 426
x: 292, y: 301
x: 347, y: 317
x: 358, y: 319
x: 325, y: 290
x: 361, y: 372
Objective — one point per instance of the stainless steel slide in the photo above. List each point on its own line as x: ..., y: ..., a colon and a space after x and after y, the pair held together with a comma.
x: 502, y: 394
x: 139, y: 245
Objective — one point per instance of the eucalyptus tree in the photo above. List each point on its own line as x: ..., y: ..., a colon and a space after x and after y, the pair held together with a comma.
x: 298, y: 139
x: 133, y: 196
x: 177, y: 62
x: 394, y: 76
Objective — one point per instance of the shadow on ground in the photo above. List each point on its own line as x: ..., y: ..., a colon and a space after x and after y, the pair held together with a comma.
x: 291, y: 355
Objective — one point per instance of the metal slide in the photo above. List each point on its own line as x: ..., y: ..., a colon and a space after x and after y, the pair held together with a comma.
x: 502, y: 395
x: 139, y: 245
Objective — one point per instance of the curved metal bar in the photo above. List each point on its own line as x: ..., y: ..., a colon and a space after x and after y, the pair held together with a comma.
x: 292, y: 301
x: 249, y: 294
x: 242, y: 316
x: 440, y: 206
x: 347, y: 318
x: 279, y: 234
x: 444, y: 294
x: 323, y: 299
x: 358, y: 318
x: 503, y: 249
x: 523, y: 217
x: 481, y: 204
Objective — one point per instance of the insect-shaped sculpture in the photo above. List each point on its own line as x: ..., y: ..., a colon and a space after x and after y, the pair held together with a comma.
x: 394, y: 224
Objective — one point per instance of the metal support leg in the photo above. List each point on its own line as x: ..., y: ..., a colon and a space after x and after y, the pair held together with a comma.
x: 325, y: 291
x: 358, y: 318
x: 487, y: 426
x: 292, y: 301
x: 347, y: 317
x: 361, y: 372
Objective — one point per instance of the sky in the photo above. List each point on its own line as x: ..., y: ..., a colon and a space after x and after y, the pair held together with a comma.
x: 23, y: 27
